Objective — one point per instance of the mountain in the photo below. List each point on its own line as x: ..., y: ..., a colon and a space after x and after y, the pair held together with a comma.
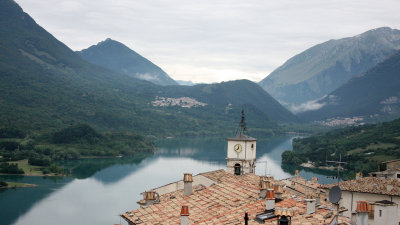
x: 321, y: 69
x: 374, y: 93
x: 45, y: 86
x: 117, y: 57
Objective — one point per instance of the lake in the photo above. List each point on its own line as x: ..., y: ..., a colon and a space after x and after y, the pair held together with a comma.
x: 101, y: 189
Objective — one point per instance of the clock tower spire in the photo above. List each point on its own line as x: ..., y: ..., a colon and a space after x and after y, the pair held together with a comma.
x: 241, y: 151
x: 242, y: 126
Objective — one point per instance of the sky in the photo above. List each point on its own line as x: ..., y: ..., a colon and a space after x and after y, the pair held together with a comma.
x: 211, y: 41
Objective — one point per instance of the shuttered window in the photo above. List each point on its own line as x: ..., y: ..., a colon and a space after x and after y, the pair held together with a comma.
x: 371, y: 211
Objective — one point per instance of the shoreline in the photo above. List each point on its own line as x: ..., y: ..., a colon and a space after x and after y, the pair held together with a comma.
x: 311, y: 166
x: 101, y: 157
x: 13, y: 185
x: 33, y: 175
x: 58, y: 175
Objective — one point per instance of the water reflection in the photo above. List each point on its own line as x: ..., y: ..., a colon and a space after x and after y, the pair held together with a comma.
x: 85, y: 168
x: 17, y: 202
x: 104, y: 188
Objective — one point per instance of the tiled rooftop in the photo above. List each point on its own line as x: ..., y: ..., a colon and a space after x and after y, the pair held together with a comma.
x: 225, y: 202
x: 370, y: 185
x: 304, y: 182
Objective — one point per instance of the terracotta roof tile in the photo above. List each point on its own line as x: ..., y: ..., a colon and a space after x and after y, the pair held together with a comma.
x: 223, y: 203
x: 370, y: 185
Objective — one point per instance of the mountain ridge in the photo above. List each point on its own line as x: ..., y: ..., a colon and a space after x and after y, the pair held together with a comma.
x: 118, y: 57
x: 322, y: 68
x: 374, y: 93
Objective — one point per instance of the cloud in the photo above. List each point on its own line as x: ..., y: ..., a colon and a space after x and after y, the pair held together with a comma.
x: 147, y: 76
x: 314, y: 104
x: 209, y: 41
x: 307, y: 106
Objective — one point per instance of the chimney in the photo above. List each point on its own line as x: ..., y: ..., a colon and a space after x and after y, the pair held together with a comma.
x: 278, y: 191
x: 353, y: 218
x: 284, y: 215
x: 263, y: 189
x: 362, y: 213
x: 359, y: 175
x: 310, y: 205
x: 318, y: 197
x: 187, y: 182
x: 296, y: 173
x: 270, y: 202
x: 185, y: 215
x: 149, y: 197
x: 314, y: 180
x: 270, y: 185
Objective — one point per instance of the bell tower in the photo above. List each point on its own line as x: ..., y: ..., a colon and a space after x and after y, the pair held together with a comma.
x: 241, y: 151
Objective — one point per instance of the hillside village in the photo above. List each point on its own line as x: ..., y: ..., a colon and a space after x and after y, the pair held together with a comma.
x: 184, y: 102
x: 336, y: 122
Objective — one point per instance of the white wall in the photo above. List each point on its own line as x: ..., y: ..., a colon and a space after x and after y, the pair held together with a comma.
x: 246, y: 153
x: 350, y: 202
x: 389, y: 215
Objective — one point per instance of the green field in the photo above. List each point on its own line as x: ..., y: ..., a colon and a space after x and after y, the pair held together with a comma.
x: 18, y: 185
x: 372, y: 147
x: 30, y: 170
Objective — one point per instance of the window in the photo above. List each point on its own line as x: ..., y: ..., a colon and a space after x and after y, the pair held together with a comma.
x: 380, y: 213
x: 371, y: 211
x: 237, y: 169
x: 398, y: 175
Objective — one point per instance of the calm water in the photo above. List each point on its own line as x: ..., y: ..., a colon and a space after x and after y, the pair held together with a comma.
x: 101, y: 189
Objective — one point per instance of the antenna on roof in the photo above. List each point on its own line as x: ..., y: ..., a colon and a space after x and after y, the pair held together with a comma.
x: 246, y: 218
x: 339, y: 163
x: 241, y: 130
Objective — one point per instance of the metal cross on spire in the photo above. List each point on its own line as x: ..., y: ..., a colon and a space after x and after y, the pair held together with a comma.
x: 242, y: 126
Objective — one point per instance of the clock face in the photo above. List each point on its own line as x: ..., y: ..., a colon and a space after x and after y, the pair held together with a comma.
x: 237, y: 148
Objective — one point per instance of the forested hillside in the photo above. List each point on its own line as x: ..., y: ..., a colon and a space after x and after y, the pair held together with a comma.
x: 361, y: 147
x: 45, y: 87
